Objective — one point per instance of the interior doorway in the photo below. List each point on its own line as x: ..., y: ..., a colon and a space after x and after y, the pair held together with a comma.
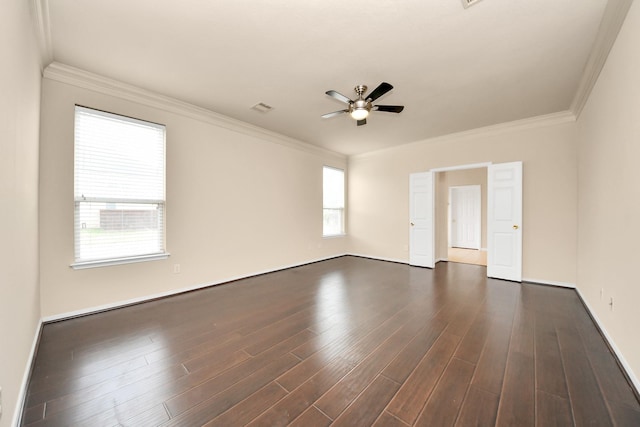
x: 461, y: 210
x: 428, y: 235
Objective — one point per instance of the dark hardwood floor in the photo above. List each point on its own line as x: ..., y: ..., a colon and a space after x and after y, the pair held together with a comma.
x: 344, y: 342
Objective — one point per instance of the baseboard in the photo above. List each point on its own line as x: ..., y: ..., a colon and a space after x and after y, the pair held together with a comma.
x: 626, y: 368
x: 152, y: 297
x: 147, y: 298
x: 22, y: 393
x: 550, y: 283
x: 397, y: 261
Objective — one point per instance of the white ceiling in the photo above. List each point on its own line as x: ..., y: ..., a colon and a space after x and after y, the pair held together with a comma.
x: 453, y: 69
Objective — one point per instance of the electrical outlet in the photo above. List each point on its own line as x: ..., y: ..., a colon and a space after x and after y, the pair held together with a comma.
x: 176, y: 268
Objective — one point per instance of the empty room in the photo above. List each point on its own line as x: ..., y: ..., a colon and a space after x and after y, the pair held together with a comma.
x: 359, y: 213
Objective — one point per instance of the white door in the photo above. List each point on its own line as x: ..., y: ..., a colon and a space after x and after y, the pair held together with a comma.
x: 465, y: 222
x: 421, y: 220
x: 504, y: 222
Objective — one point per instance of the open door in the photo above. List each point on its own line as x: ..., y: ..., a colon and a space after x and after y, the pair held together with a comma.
x: 421, y: 220
x: 504, y: 221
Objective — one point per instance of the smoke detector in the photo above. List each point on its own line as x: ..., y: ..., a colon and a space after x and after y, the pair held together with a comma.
x: 469, y: 3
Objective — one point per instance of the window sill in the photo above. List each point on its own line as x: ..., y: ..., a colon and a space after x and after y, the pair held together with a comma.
x: 117, y: 261
x: 332, y: 236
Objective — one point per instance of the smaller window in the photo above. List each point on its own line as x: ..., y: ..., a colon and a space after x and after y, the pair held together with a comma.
x: 332, y: 202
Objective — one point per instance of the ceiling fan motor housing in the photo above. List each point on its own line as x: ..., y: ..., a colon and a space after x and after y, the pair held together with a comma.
x: 360, y: 104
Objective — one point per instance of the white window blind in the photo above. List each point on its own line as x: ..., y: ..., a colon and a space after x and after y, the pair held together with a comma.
x: 332, y: 201
x: 119, y: 187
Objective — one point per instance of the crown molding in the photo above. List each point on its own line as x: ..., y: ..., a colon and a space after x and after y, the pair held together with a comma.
x: 546, y: 120
x: 40, y: 10
x: 76, y: 77
x: 614, y: 15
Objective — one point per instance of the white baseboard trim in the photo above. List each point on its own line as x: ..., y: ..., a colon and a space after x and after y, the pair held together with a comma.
x: 120, y: 304
x: 612, y: 345
x: 22, y: 393
x: 550, y: 283
x: 398, y: 261
x: 146, y: 298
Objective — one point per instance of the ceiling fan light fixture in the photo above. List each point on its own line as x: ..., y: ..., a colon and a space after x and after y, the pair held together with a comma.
x: 359, y: 113
x: 359, y: 109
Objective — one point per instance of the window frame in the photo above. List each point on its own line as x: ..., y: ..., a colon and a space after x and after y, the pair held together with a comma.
x: 342, y: 209
x: 79, y: 199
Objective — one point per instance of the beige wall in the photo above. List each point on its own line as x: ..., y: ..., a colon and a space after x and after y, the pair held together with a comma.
x: 237, y: 204
x: 379, y: 193
x: 609, y: 193
x: 19, y: 124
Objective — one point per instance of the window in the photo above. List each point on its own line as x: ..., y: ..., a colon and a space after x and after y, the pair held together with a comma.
x: 119, y: 189
x: 332, y: 201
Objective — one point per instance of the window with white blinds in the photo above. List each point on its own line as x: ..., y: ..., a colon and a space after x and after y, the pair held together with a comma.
x: 119, y: 188
x: 332, y: 201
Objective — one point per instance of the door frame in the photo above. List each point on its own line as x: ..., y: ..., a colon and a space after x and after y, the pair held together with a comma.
x: 462, y: 167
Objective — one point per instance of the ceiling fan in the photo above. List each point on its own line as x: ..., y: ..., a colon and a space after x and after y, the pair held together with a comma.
x: 360, y: 108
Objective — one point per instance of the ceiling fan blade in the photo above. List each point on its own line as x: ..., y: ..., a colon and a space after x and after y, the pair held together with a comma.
x: 383, y: 88
x: 339, y: 96
x: 389, y: 108
x: 362, y: 122
x: 335, y: 113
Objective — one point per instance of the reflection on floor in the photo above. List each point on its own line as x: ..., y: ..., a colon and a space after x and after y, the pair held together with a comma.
x: 467, y: 256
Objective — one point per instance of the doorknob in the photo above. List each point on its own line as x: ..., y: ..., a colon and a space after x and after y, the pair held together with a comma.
x: 515, y: 227
x: 412, y: 224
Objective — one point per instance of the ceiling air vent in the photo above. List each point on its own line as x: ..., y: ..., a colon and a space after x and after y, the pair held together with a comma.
x: 262, y: 107
x: 468, y: 3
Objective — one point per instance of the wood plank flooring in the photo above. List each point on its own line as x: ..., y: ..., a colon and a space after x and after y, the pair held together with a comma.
x: 344, y: 342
